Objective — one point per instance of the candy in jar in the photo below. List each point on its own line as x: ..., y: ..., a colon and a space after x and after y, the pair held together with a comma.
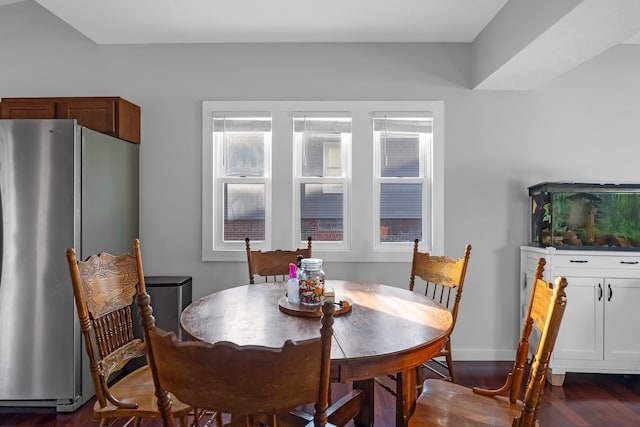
x: 311, y: 281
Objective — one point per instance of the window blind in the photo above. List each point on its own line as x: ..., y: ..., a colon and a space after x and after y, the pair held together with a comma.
x: 242, y: 122
x: 415, y: 122
x: 322, y: 122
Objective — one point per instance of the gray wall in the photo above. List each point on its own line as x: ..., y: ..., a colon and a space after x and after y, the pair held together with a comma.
x: 580, y: 127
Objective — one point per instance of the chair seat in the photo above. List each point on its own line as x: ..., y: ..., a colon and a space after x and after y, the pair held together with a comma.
x: 443, y: 403
x: 137, y: 387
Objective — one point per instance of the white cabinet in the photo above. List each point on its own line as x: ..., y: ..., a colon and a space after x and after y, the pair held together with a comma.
x: 600, y: 323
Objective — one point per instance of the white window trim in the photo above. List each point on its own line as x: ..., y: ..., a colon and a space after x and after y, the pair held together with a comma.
x: 362, y: 246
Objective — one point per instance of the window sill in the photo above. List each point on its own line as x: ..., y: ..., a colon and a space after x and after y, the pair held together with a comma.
x: 328, y: 256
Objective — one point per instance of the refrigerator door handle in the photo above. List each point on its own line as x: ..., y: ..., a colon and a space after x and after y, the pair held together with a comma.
x: 1, y: 223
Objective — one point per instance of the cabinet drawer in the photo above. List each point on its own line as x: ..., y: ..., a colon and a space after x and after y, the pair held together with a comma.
x: 590, y: 261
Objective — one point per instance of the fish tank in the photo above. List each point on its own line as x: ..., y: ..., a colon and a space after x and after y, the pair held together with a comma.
x: 569, y: 215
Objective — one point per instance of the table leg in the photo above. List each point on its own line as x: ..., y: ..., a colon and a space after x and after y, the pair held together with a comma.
x: 365, y: 418
x: 406, y: 396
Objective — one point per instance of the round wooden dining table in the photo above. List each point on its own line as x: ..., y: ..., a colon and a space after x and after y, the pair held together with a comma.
x: 388, y: 330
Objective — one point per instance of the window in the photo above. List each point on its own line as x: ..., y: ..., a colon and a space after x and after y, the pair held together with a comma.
x: 242, y: 143
x: 402, y: 147
x: 362, y: 178
x: 322, y: 144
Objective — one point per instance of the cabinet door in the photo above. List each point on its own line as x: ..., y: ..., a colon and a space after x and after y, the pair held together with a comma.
x: 27, y: 109
x: 96, y: 114
x: 581, y: 330
x: 622, y: 317
x: 528, y: 264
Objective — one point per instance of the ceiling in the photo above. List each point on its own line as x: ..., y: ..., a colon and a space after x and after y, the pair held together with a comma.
x: 232, y: 21
x: 517, y: 32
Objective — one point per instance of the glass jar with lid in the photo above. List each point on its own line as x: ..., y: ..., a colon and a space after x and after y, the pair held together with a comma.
x: 311, y: 281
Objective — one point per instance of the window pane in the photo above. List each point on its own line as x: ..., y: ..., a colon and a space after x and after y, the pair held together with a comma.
x: 321, y: 212
x: 332, y: 159
x: 244, y: 211
x: 321, y: 138
x: 399, y: 155
x: 243, y: 137
x: 400, y: 212
x: 244, y: 154
x: 321, y: 155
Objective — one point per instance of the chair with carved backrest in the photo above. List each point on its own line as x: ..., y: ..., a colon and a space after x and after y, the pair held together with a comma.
x: 442, y: 279
x: 249, y: 382
x: 447, y: 404
x: 104, y: 288
x: 273, y: 265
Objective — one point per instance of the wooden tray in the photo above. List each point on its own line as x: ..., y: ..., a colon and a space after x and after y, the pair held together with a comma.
x: 296, y: 309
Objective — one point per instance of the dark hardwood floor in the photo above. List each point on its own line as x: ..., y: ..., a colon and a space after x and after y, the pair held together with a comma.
x: 584, y: 400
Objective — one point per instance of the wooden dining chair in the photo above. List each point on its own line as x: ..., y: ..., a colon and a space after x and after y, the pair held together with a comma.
x: 273, y: 265
x: 447, y: 404
x: 104, y: 287
x: 443, y: 280
x: 249, y: 382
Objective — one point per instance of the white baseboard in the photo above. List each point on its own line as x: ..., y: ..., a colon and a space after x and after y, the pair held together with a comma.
x: 482, y: 354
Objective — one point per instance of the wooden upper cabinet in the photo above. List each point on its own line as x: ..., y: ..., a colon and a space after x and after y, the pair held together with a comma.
x: 27, y: 109
x: 110, y: 115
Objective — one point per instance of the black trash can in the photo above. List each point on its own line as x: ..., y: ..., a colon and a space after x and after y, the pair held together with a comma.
x: 169, y: 296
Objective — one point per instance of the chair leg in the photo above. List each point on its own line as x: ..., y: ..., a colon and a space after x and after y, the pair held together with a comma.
x: 420, y: 378
x: 385, y: 387
x: 450, y: 362
x: 400, y: 397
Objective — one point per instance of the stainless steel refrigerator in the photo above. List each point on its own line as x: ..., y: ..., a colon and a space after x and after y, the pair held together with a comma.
x: 61, y: 186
